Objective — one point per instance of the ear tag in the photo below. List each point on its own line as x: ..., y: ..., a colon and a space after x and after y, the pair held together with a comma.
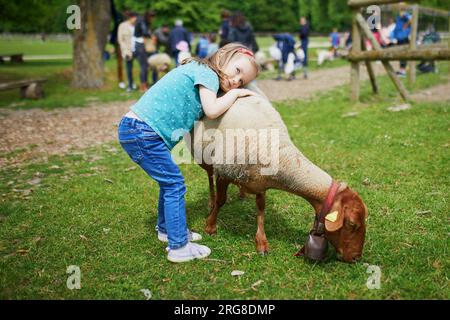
x: 332, y: 217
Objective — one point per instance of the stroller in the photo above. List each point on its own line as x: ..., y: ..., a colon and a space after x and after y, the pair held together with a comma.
x: 429, y: 37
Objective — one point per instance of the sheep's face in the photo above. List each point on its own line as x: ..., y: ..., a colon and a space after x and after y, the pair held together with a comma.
x: 347, y: 232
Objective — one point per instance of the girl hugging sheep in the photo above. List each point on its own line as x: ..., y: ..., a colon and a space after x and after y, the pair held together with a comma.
x: 148, y: 132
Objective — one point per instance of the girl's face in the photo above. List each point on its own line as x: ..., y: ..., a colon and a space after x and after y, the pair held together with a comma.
x: 240, y: 71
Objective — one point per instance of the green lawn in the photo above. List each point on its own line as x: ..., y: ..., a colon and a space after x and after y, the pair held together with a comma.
x: 97, y: 210
x: 35, y: 47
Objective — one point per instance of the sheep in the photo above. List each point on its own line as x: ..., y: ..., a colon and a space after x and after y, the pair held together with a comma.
x: 324, y: 55
x: 264, y: 62
x: 291, y: 171
x: 160, y: 62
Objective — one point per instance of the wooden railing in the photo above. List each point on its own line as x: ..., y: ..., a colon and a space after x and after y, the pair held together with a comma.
x: 361, y: 30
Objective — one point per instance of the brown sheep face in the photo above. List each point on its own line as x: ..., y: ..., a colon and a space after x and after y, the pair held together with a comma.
x: 346, y: 230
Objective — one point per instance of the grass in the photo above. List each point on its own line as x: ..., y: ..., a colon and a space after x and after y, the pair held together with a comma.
x: 35, y: 47
x: 58, y: 90
x: 97, y: 210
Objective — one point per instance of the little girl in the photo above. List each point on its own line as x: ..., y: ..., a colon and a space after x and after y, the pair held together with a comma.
x: 148, y: 132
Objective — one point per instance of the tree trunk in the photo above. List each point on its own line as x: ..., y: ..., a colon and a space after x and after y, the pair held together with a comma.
x: 89, y: 43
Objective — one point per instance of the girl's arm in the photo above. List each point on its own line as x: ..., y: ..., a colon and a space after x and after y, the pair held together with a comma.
x: 214, y: 106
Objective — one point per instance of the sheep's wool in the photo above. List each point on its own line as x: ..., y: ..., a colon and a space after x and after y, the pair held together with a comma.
x: 245, y: 121
x: 158, y: 60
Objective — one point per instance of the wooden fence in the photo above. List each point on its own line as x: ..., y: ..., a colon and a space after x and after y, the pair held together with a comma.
x: 411, y: 52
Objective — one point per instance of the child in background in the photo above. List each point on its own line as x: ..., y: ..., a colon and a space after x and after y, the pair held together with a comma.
x: 202, y: 47
x: 335, y: 41
x: 169, y: 109
x: 401, y: 34
x: 213, y: 46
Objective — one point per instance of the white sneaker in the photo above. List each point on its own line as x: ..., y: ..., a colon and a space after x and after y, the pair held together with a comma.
x: 192, y: 236
x: 122, y: 85
x: 189, y: 252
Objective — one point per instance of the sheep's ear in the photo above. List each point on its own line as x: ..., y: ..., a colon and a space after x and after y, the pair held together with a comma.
x: 334, y: 221
x: 366, y: 212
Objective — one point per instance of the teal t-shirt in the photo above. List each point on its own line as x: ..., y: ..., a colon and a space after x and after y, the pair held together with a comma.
x: 172, y: 105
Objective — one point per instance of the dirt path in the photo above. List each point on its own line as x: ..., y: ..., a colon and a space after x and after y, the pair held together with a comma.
x: 434, y: 94
x: 28, y: 135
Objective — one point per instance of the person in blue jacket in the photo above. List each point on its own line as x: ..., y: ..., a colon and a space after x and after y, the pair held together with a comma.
x: 286, y: 44
x: 178, y: 34
x: 401, y: 34
x: 202, y: 47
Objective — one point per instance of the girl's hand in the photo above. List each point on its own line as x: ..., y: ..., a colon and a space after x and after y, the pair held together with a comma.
x: 213, y: 107
x: 244, y: 93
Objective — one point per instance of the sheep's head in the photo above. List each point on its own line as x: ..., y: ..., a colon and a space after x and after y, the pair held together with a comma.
x: 345, y: 228
x: 163, y: 67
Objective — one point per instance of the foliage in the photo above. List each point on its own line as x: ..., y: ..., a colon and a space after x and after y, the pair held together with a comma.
x: 198, y: 15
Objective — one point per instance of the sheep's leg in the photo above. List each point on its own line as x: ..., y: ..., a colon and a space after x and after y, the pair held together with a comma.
x: 212, y: 194
x: 221, y: 198
x: 242, y: 194
x: 262, y: 246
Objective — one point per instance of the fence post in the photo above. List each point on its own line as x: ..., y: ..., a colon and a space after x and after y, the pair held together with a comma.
x: 412, y: 44
x: 376, y: 46
x: 356, y: 47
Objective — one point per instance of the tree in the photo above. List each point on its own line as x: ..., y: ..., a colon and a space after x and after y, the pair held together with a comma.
x: 89, y: 43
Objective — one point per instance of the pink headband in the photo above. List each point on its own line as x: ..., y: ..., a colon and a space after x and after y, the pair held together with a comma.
x: 247, y: 52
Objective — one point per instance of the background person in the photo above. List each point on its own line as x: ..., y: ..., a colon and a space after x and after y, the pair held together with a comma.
x: 224, y: 27
x: 162, y: 38
x: 178, y: 34
x: 125, y: 39
x: 141, y: 32
x: 242, y: 32
x: 303, y: 34
x: 334, y: 41
x: 401, y: 34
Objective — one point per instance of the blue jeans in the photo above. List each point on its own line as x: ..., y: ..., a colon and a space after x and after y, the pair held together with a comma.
x: 305, y: 50
x: 149, y: 151
x: 141, y: 56
x: 129, y: 68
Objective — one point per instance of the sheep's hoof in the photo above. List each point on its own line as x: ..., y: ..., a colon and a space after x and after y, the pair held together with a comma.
x: 212, y: 231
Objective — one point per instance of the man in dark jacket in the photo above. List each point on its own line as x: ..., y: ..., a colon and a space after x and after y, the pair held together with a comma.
x: 304, y: 39
x: 141, y: 31
x: 177, y: 34
x: 224, y: 27
x: 162, y: 37
x: 242, y: 32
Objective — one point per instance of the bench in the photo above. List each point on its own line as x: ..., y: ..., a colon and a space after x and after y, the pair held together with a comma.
x: 13, y: 58
x: 30, y: 89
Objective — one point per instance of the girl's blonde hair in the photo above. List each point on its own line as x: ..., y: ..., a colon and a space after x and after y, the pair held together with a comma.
x: 220, y: 59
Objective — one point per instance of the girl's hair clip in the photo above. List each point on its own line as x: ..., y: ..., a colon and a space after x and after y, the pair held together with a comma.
x: 247, y: 52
